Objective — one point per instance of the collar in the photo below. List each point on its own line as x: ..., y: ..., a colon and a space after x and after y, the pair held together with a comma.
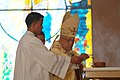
x: 30, y: 33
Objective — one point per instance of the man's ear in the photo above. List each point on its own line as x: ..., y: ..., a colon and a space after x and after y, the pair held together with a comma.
x: 34, y: 24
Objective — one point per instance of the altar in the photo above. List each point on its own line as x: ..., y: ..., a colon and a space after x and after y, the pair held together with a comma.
x: 102, y: 73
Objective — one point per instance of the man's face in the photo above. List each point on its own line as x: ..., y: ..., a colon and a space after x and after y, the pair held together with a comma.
x: 67, y: 42
x: 38, y: 26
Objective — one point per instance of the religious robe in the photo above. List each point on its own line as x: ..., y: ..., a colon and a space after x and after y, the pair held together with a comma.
x: 57, y: 49
x: 34, y: 62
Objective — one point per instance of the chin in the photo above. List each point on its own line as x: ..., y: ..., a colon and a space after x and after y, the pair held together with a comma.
x: 68, y: 49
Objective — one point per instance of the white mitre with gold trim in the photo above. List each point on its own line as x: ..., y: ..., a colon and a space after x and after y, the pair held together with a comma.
x: 70, y: 25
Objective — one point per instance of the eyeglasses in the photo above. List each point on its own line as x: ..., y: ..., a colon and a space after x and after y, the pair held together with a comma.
x: 69, y: 40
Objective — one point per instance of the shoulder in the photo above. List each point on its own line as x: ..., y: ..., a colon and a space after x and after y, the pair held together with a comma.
x: 29, y: 39
x: 56, y: 44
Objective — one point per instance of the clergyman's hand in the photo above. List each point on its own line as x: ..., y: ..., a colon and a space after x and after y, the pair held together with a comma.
x: 83, y: 57
x: 74, y: 59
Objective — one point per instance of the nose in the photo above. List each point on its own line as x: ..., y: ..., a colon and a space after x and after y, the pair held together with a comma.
x: 71, y: 42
